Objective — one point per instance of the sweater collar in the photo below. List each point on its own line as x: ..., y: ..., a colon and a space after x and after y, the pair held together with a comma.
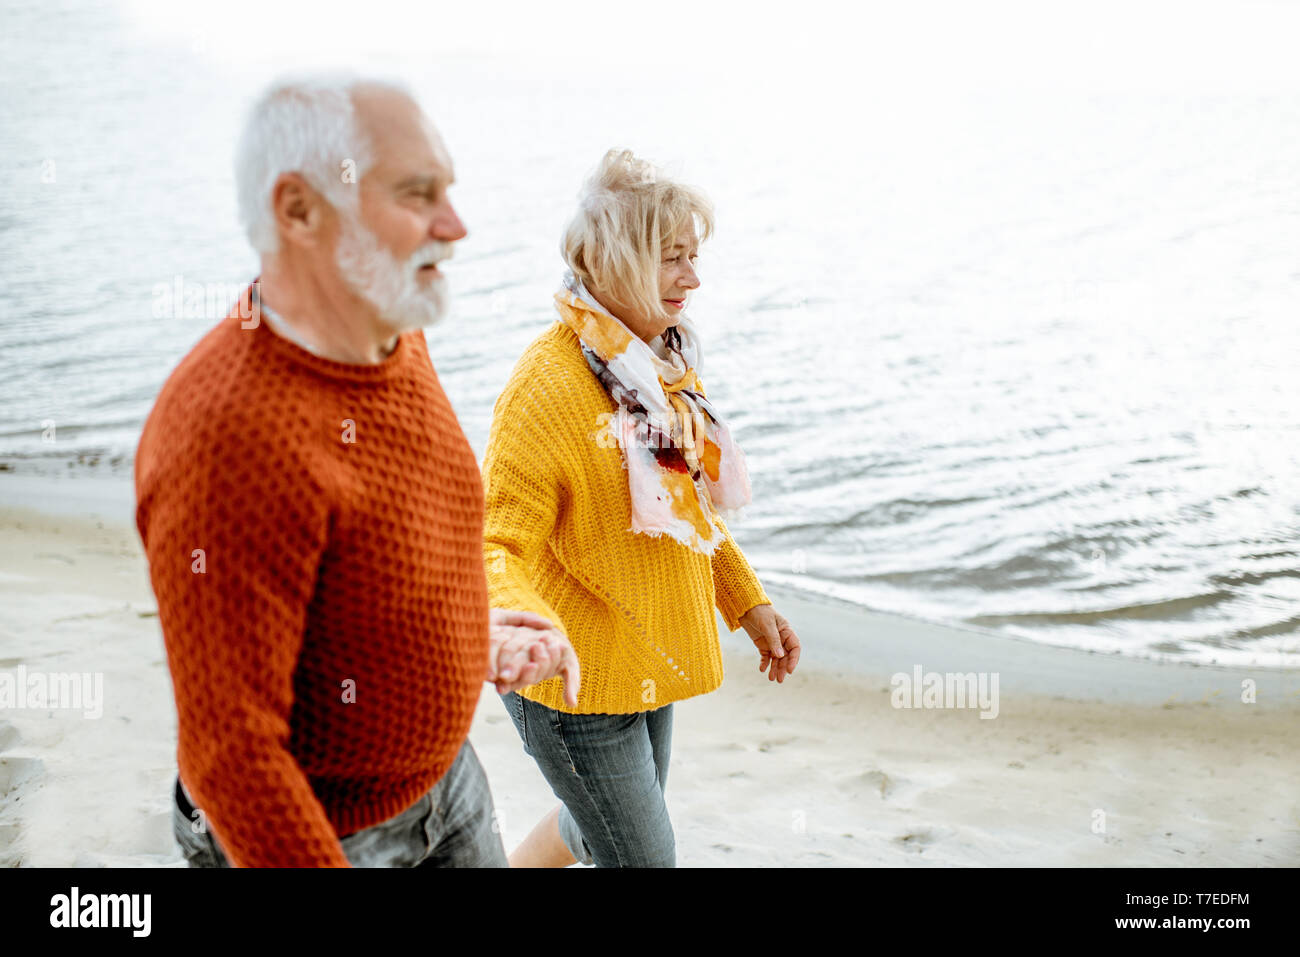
x: 250, y: 314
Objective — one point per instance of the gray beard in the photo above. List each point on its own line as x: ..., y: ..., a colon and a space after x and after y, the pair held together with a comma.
x: 391, y: 287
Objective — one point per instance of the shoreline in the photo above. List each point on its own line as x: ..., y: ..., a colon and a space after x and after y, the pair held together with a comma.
x: 822, y: 770
x: 110, y: 498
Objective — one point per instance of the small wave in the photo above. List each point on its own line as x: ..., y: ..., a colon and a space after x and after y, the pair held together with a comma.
x: 882, y: 514
x: 489, y: 290
x: 1284, y: 627
x: 772, y: 305
x: 1254, y: 578
x: 496, y: 252
x: 1164, y: 610
x: 1257, y: 556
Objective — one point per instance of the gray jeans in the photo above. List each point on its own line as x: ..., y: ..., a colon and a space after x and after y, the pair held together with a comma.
x: 609, y: 772
x: 452, y: 825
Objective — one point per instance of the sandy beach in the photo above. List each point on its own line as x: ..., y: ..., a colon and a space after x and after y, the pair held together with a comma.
x: 1091, y: 760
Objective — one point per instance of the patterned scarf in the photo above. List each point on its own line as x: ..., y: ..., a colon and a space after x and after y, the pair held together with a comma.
x: 682, y: 465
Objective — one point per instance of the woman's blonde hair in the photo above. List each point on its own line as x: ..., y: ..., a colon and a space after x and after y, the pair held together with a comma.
x: 628, y: 213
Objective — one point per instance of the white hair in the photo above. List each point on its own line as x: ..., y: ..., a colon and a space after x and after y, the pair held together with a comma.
x: 306, y: 125
x: 628, y: 213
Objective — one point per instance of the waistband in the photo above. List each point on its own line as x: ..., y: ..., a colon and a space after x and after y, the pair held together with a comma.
x: 183, y: 799
x: 187, y: 806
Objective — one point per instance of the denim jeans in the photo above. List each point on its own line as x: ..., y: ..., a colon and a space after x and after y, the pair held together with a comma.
x: 609, y: 772
x: 451, y: 825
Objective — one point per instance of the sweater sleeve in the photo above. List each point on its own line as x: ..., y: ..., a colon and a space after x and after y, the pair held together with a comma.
x: 522, y: 495
x: 234, y: 532
x: 736, y: 587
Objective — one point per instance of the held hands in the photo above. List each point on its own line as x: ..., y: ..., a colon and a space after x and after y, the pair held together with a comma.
x: 775, y: 640
x: 526, y: 648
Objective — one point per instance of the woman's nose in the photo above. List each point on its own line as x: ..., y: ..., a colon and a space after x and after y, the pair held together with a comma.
x: 689, y: 280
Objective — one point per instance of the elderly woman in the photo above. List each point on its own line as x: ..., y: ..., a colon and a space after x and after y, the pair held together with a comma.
x: 605, y: 472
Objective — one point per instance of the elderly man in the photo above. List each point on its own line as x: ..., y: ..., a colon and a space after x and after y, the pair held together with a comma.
x: 313, y: 516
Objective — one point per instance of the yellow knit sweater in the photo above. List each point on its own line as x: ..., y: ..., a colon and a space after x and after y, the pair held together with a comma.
x: 557, y: 541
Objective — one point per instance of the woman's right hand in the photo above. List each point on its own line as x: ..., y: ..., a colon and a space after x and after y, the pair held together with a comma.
x: 525, y: 648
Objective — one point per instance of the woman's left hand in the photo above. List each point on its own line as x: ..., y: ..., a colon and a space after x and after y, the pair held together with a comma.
x: 775, y: 640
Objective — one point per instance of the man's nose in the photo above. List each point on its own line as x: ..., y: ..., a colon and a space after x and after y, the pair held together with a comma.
x: 447, y: 226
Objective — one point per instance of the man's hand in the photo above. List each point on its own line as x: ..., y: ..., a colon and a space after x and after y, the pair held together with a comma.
x: 525, y: 648
x: 775, y: 640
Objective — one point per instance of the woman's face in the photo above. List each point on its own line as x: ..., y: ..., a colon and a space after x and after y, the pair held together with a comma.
x: 676, y: 279
x: 677, y: 273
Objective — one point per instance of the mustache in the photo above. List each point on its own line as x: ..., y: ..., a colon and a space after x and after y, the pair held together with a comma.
x: 431, y: 253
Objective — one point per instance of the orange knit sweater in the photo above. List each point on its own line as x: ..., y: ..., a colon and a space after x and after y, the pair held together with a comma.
x: 314, y: 535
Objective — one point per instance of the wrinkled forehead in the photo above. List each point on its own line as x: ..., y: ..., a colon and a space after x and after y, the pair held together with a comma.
x: 405, y: 141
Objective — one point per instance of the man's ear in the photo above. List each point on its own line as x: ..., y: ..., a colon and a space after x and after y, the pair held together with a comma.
x: 299, y: 210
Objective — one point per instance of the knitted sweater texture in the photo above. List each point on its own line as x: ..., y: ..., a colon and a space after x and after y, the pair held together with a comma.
x: 558, y: 541
x: 314, y: 537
